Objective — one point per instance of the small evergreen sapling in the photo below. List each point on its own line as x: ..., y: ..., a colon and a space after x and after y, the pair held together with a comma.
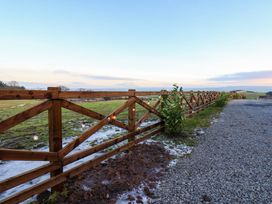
x: 172, y: 111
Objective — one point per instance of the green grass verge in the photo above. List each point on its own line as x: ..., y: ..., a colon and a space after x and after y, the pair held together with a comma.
x: 199, y: 120
x: 253, y: 95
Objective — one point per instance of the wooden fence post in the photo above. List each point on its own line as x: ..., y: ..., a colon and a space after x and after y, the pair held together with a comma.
x: 55, y: 130
x: 164, y: 96
x: 205, y: 98
x: 197, y: 100
x: 192, y: 103
x: 191, y: 97
x: 131, y: 114
x: 210, y: 97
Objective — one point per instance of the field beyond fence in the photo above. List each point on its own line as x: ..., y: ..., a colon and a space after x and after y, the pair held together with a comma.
x: 53, y: 101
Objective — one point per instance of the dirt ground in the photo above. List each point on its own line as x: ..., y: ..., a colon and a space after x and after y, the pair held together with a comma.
x: 144, y: 163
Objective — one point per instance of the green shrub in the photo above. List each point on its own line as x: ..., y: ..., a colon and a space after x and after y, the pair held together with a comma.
x: 172, y: 111
x: 236, y: 96
x: 222, y: 100
x: 55, y: 196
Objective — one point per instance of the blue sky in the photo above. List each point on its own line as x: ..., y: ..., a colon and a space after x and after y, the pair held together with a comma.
x: 136, y: 43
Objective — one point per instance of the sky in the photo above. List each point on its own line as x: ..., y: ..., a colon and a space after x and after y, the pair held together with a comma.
x: 121, y: 44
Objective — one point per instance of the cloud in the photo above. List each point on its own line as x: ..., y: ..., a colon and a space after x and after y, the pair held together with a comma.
x: 95, y: 77
x: 243, y: 76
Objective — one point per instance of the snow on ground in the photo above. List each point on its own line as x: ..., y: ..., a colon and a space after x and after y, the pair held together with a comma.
x: 13, y: 168
x: 135, y: 193
x: 175, y: 150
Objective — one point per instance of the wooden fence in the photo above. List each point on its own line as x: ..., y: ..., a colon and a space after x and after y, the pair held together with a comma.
x: 53, y: 101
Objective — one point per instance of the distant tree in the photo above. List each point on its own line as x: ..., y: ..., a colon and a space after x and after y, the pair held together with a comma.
x: 64, y: 88
x: 269, y: 93
x: 13, y: 84
x: 81, y: 89
x: 2, y: 84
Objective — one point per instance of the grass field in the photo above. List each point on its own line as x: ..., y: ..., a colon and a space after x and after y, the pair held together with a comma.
x: 21, y: 136
x: 202, y: 119
x: 253, y: 95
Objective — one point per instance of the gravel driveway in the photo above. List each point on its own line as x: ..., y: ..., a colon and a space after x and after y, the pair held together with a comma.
x: 232, y: 162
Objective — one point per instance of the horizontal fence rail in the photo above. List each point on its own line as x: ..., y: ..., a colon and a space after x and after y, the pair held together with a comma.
x: 59, y: 156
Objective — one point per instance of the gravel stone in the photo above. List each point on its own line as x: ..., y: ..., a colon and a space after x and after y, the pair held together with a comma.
x: 232, y: 162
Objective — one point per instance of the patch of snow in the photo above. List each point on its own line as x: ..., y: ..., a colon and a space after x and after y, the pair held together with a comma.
x: 173, y: 163
x: 135, y: 193
x: 21, y: 105
x: 215, y: 120
x: 12, y: 168
x: 85, y: 188
x: 105, y: 182
x: 199, y: 131
x: 175, y: 150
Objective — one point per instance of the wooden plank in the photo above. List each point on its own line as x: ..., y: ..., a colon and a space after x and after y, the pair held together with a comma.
x: 55, y: 132
x: 38, y: 188
x: 76, y: 142
x: 55, y: 126
x: 24, y: 94
x: 150, y: 93
x: 198, y: 98
x: 209, y: 97
x: 26, y: 176
x: 193, y: 98
x: 87, y: 112
x: 162, y: 92
x: 187, y: 102
x: 68, y: 148
x: 102, y: 94
x: 23, y: 116
x: 203, y: 105
x: 146, y: 115
x: 27, y: 155
x: 123, y: 107
x: 92, y: 94
x: 202, y: 99
x: 131, y: 114
x: 83, y: 153
x: 85, y: 166
x: 79, y: 109
x: 40, y: 94
x: 148, y: 107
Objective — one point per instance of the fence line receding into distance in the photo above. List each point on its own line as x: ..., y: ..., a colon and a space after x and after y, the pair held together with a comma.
x: 53, y: 101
